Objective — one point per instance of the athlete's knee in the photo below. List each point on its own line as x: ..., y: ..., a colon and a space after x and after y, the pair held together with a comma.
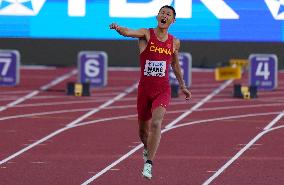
x: 156, y: 124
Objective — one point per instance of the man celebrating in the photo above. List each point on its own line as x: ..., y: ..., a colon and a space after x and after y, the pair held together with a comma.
x: 158, y: 50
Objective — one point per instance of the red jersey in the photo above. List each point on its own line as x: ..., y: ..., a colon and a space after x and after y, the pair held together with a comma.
x: 155, y: 61
x: 154, y: 88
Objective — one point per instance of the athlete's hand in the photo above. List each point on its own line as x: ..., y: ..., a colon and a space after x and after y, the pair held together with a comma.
x: 114, y: 26
x: 186, y: 92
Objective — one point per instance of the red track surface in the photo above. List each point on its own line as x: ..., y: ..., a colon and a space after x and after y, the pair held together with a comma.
x: 45, y: 140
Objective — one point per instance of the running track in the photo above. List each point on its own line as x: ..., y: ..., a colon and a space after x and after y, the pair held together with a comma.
x: 49, y: 138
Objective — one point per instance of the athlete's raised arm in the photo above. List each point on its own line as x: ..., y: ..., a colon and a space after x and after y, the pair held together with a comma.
x: 127, y: 32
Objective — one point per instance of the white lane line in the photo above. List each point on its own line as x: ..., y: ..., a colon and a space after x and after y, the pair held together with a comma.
x: 70, y: 125
x: 275, y: 128
x: 14, y: 92
x: 19, y: 100
x: 222, y: 118
x: 274, y: 121
x: 112, y: 164
x: 62, y: 102
x: 131, y: 106
x: 216, y: 91
x: 104, y: 120
x: 225, y: 166
x: 118, y: 97
x: 199, y: 104
x: 58, y: 80
x: 44, y: 113
x: 241, y: 107
x: 32, y: 145
x: 34, y: 93
x: 180, y: 125
x: 134, y: 115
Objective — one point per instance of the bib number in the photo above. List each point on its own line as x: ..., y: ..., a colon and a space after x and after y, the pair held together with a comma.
x: 155, y: 68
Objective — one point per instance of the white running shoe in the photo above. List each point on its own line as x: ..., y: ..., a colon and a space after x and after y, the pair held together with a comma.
x: 147, y: 171
x: 145, y: 155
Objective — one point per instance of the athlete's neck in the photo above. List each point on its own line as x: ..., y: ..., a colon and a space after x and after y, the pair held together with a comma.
x: 161, y: 34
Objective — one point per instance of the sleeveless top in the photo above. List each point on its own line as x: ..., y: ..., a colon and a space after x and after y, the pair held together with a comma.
x: 155, y: 61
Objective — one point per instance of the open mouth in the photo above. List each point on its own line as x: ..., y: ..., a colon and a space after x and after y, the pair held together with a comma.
x: 163, y: 21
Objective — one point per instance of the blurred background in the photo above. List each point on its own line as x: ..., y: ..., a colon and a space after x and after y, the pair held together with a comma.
x: 53, y: 32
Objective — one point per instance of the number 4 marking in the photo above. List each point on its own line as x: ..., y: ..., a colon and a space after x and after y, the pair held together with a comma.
x: 6, y: 64
x: 263, y: 70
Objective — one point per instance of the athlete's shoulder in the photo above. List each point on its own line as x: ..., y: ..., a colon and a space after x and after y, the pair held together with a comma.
x: 176, y: 43
x: 145, y: 31
x: 175, y: 39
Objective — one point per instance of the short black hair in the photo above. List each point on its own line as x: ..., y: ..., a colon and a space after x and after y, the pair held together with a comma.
x: 170, y: 7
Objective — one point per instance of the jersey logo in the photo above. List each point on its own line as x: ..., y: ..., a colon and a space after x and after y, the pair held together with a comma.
x: 155, y: 68
x: 160, y: 50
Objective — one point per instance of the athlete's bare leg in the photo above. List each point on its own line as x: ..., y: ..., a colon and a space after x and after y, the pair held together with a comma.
x: 155, y: 131
x: 144, y: 127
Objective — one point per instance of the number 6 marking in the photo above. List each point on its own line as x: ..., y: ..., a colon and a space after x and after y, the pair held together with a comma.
x: 6, y: 62
x: 92, y: 68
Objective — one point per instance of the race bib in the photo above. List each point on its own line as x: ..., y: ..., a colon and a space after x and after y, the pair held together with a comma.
x: 155, y: 68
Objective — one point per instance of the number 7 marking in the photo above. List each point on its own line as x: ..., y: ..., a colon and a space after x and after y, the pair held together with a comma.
x: 6, y: 64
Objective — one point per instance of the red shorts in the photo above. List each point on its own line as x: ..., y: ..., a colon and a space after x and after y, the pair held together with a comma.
x: 150, y: 98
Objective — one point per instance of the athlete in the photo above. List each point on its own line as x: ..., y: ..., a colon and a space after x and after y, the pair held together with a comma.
x: 158, y: 50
